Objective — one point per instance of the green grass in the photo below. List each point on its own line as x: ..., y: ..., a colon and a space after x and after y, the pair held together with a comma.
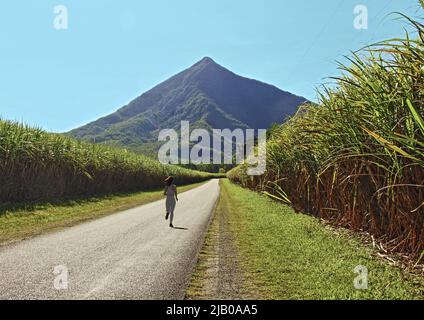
x: 294, y: 256
x: 24, y: 221
x: 219, y: 272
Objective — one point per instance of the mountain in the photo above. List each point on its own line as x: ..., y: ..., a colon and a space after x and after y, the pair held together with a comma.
x: 206, y: 94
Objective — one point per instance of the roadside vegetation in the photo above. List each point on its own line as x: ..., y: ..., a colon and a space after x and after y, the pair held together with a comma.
x: 356, y: 158
x: 18, y: 222
x: 40, y: 166
x: 279, y: 254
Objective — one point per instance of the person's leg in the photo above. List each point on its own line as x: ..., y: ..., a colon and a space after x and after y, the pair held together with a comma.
x: 171, y: 212
x: 168, y: 207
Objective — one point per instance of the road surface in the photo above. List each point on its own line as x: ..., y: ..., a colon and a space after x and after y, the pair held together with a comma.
x: 128, y: 255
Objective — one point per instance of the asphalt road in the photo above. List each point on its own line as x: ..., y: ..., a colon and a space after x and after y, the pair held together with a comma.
x: 128, y: 255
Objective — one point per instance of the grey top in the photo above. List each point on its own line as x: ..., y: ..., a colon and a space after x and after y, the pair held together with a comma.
x: 170, y: 191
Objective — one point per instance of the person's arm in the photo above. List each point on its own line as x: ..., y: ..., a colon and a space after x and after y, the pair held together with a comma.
x: 164, y: 191
x: 176, y: 193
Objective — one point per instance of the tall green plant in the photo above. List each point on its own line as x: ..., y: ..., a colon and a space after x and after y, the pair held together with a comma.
x: 36, y: 165
x: 357, y: 158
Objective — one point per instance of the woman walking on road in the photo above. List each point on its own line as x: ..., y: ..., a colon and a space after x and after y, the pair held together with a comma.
x: 171, y: 199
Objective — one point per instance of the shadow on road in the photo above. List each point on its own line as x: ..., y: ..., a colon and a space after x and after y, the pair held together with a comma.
x: 179, y: 228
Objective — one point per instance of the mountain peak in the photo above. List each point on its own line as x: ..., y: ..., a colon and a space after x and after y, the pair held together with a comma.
x: 206, y: 94
x: 205, y: 61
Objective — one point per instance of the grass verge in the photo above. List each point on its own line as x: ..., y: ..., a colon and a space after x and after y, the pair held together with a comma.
x: 219, y: 273
x: 28, y: 220
x: 284, y: 255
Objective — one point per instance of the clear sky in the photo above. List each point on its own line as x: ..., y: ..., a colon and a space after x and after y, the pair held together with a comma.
x: 115, y: 50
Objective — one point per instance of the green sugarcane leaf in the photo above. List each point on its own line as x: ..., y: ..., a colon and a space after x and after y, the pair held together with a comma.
x: 416, y: 115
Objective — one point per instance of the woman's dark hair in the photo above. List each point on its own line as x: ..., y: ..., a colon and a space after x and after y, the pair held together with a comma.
x: 169, y: 180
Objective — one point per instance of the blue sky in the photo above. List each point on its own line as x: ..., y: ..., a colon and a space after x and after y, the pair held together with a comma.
x: 115, y: 50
